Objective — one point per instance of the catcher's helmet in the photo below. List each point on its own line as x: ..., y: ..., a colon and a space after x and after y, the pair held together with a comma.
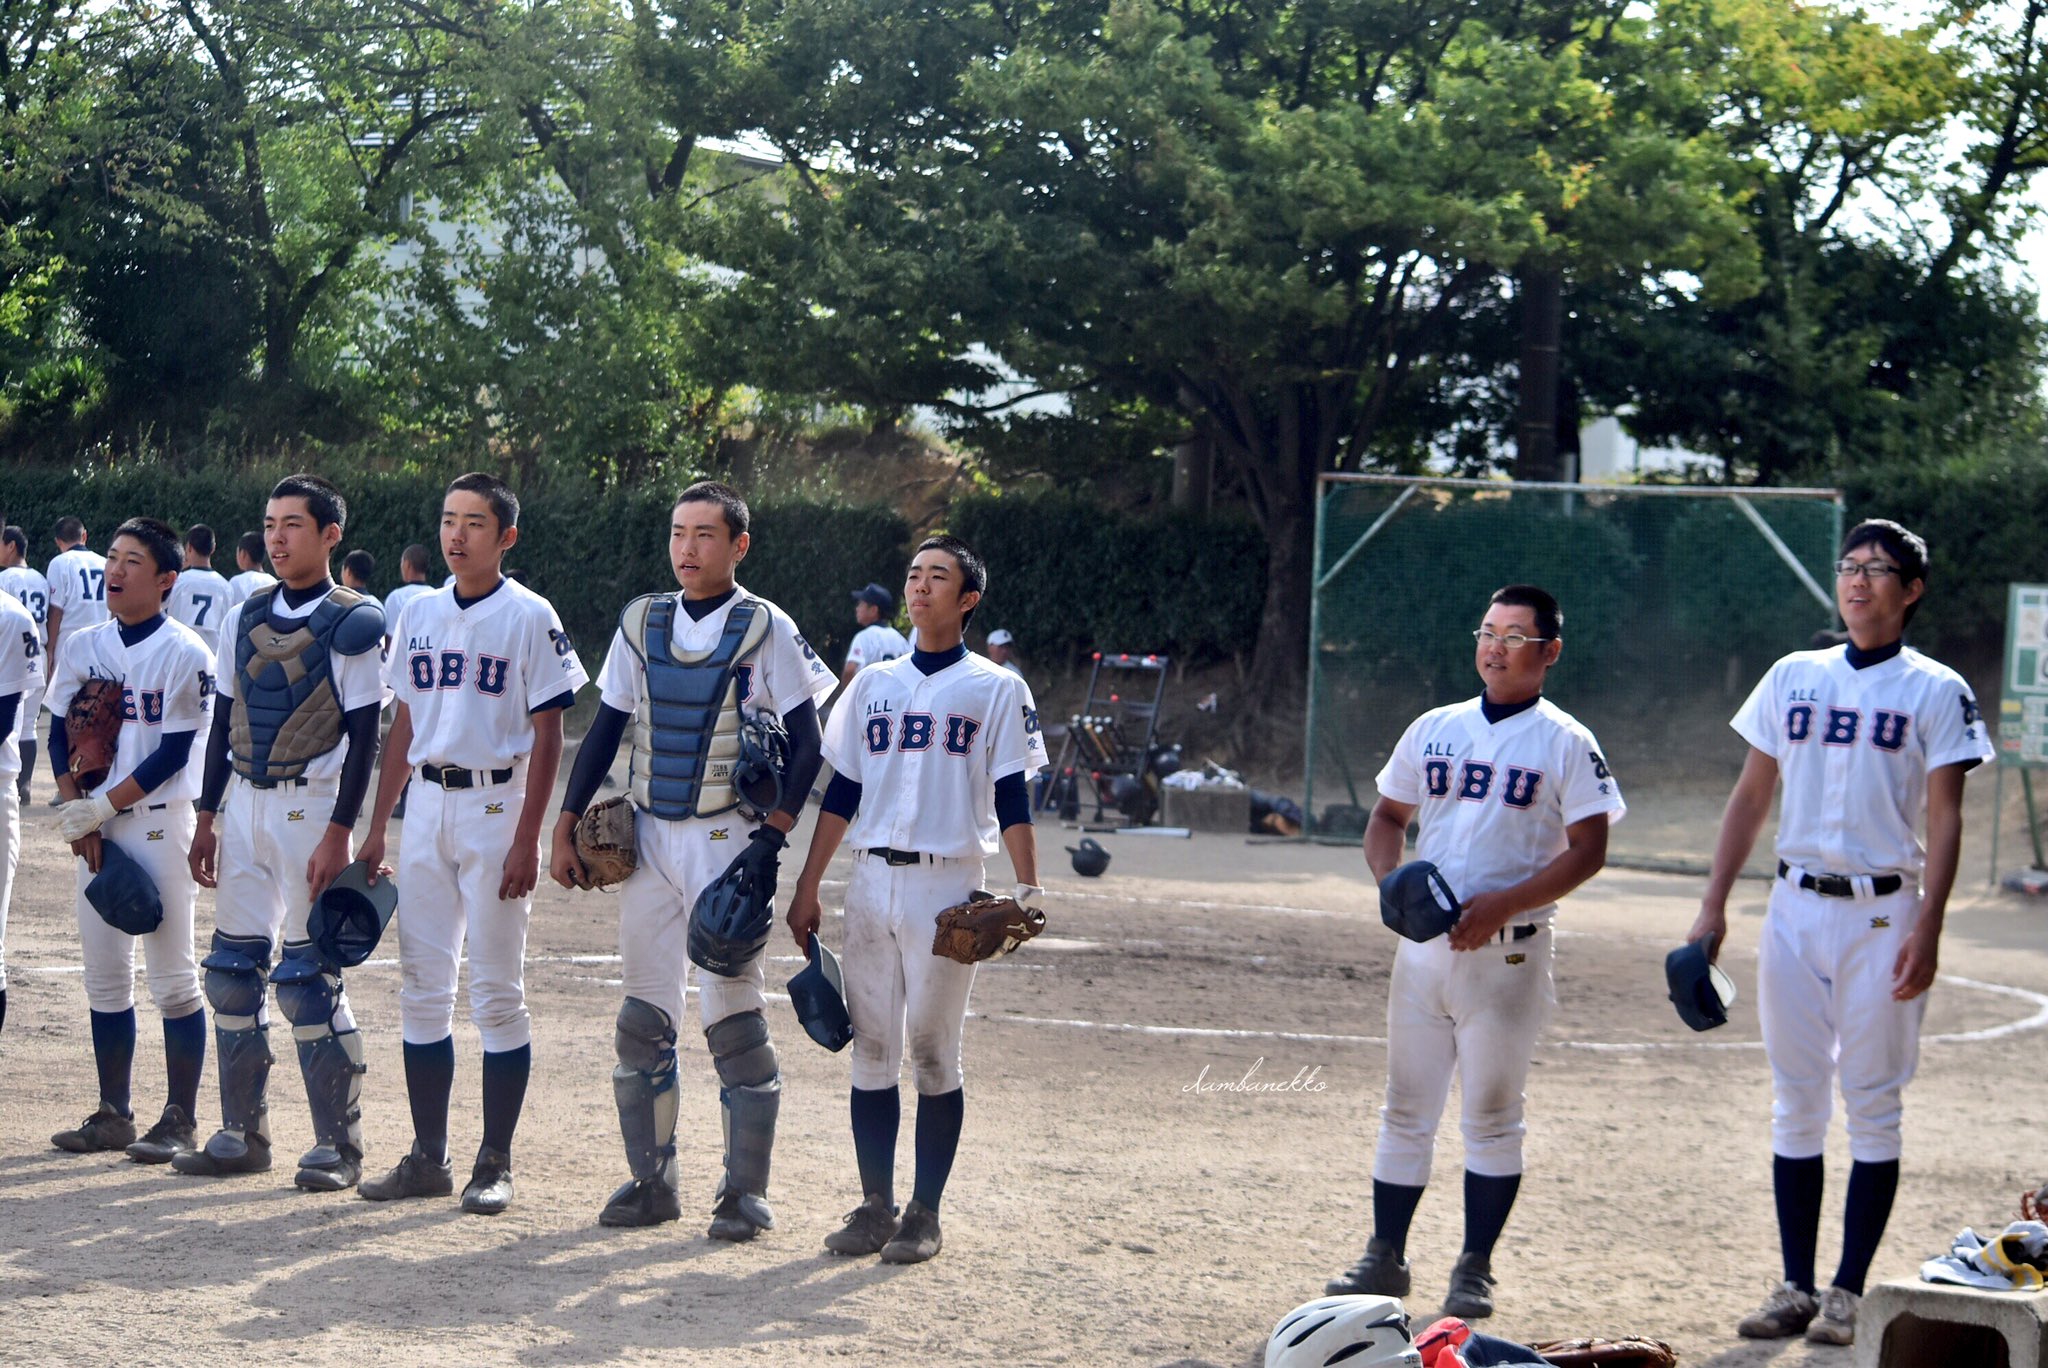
x: 123, y: 893
x: 1699, y: 989
x: 1416, y: 901
x: 1090, y: 859
x: 763, y: 760
x: 729, y: 924
x: 349, y: 917
x: 818, y: 993
x: 1354, y: 1331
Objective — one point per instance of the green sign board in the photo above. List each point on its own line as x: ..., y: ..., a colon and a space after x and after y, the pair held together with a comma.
x: 2023, y: 697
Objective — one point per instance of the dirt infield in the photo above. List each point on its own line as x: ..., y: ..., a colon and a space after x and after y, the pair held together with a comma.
x: 1122, y: 1194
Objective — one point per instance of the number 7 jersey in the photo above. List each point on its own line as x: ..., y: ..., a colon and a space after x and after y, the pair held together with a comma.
x: 1494, y: 798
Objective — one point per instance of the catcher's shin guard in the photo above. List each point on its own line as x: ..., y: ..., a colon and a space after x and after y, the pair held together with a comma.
x: 331, y: 1061
x: 750, y: 1098
x: 235, y: 989
x: 644, y: 1085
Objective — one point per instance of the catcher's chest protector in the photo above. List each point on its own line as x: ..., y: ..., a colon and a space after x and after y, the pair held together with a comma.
x: 686, y: 731
x: 286, y: 712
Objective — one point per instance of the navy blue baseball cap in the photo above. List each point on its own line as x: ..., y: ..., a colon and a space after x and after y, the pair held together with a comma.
x: 1699, y: 990
x: 1417, y: 902
x: 876, y: 595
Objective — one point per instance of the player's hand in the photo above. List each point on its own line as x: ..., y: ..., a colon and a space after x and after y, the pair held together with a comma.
x: 563, y: 866
x: 522, y: 869
x: 82, y: 816
x: 89, y: 848
x: 804, y: 916
x: 1913, y: 971
x: 1711, y: 926
x: 371, y: 852
x: 329, y: 858
x: 200, y: 858
x: 1485, y: 914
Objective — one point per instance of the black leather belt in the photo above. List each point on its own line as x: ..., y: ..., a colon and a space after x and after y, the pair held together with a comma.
x: 898, y: 857
x: 462, y: 778
x: 278, y: 783
x: 1843, y: 885
x: 1522, y: 932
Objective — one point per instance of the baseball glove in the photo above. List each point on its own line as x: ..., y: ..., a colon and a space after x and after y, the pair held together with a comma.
x: 604, y: 842
x: 92, y: 730
x: 1630, y: 1351
x: 985, y: 927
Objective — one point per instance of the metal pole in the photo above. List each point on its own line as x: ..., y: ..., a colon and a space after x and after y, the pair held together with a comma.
x: 1315, y: 640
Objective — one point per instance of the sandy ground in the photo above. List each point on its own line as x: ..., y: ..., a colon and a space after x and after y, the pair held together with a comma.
x: 1107, y: 1206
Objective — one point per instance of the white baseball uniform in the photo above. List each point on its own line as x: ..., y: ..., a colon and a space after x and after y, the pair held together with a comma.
x: 21, y: 673
x: 199, y: 600
x: 927, y: 751
x: 470, y: 678
x: 29, y: 586
x: 1854, y: 749
x: 78, y: 589
x: 166, y: 687
x: 679, y: 858
x: 1494, y: 800
x: 395, y: 601
x: 875, y: 643
x: 268, y: 835
x: 245, y: 583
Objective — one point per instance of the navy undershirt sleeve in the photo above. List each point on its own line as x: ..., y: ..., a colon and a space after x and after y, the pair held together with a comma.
x: 594, y: 758
x: 359, y: 764
x: 842, y: 797
x: 214, y: 782
x: 10, y: 708
x: 166, y: 760
x: 1013, y: 801
x: 806, y: 756
x: 60, y: 749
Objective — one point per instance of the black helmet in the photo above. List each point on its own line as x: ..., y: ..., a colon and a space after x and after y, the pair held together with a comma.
x: 1090, y: 859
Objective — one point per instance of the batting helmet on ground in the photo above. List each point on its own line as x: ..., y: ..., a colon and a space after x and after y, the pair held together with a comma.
x: 818, y: 993
x: 1699, y: 989
x: 1416, y: 901
x: 349, y: 918
x: 1355, y: 1331
x: 1090, y: 859
x: 123, y: 893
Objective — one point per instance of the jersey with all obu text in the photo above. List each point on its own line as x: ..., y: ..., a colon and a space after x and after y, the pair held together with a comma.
x: 166, y: 686
x: 1854, y: 749
x: 78, y: 588
x: 927, y: 750
x: 471, y: 677
x: 1495, y: 798
x: 199, y: 600
x: 21, y: 673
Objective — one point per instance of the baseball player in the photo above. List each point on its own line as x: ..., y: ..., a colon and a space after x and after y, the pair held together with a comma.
x: 413, y: 564
x: 1515, y: 801
x: 145, y: 807
x: 1861, y: 737
x: 1002, y: 649
x: 695, y: 673
x: 289, y: 759
x: 877, y: 640
x: 78, y: 584
x: 249, y: 572
x: 26, y: 583
x: 481, y: 673
x: 200, y: 597
x: 21, y: 684
x: 932, y: 753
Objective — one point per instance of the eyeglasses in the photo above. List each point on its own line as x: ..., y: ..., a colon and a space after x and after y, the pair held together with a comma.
x: 1872, y: 570
x: 1514, y: 641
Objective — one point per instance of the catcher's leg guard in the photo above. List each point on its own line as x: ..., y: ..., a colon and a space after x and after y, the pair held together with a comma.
x: 332, y: 1064
x: 750, y: 1097
x: 235, y: 969
x: 644, y: 1086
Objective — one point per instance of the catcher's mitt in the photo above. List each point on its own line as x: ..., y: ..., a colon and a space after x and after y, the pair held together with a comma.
x: 985, y: 927
x: 92, y: 730
x: 1630, y: 1351
x: 604, y: 842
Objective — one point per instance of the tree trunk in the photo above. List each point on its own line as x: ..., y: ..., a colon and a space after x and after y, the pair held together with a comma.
x: 1536, y: 454
x: 1280, y: 654
x: 1194, y: 469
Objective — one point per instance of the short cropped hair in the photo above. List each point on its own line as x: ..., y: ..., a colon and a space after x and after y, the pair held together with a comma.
x: 69, y: 530
x: 504, y: 503
x: 417, y: 559
x: 737, y: 519
x: 158, y: 536
x: 15, y: 538
x: 250, y: 544
x: 361, y: 564
x: 1549, y: 617
x: 200, y: 538
x: 1905, y: 548
x: 323, y: 500
x: 973, y: 572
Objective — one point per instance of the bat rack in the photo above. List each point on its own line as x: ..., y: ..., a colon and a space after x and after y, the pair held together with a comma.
x: 1114, y: 736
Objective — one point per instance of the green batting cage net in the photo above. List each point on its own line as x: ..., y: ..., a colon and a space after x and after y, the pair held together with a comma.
x: 1675, y: 600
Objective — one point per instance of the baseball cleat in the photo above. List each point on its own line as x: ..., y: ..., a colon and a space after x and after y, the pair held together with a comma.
x: 1785, y: 1312
x: 226, y: 1153
x: 490, y: 1183
x: 1836, y: 1323
x: 105, y: 1129
x: 1471, y: 1294
x: 170, y: 1137
x: 322, y: 1169
x: 413, y: 1176
x: 1379, y: 1272
x: 917, y: 1239
x: 869, y: 1227
x: 739, y: 1218
x: 642, y: 1202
